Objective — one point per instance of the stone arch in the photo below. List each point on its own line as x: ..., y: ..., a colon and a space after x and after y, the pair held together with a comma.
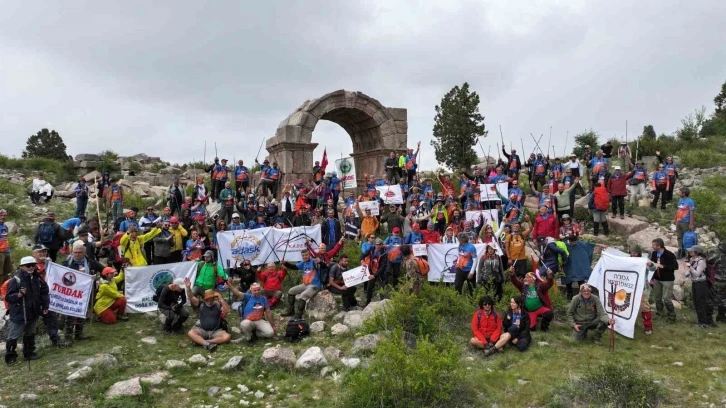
x: 374, y: 129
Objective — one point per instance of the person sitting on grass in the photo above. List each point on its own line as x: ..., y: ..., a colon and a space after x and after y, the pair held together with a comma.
x: 586, y: 313
x: 110, y: 303
x: 253, y: 308
x: 171, y: 304
x: 515, y: 328
x: 486, y: 325
x: 212, y: 309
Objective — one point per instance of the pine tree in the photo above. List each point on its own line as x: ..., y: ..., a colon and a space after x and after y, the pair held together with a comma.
x: 457, y: 128
x: 46, y: 144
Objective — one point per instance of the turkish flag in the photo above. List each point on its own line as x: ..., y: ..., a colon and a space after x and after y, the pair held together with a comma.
x: 324, y: 163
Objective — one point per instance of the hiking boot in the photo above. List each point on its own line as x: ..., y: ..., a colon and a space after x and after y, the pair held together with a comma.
x: 622, y: 217
x: 123, y: 318
x: 178, y: 330
x: 60, y: 343
x: 30, y: 357
x: 211, y: 347
x: 11, y: 359
x: 488, y: 352
x: 648, y: 332
x: 290, y: 307
x: 614, y: 215
x: 597, y: 340
x: 167, y: 330
x: 81, y: 337
x: 300, y: 308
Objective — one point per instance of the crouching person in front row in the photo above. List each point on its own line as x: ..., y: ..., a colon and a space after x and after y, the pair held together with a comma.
x: 212, y: 310
x: 486, y: 325
x: 253, y: 307
x: 110, y: 303
x: 586, y: 313
x: 171, y: 304
x: 309, y: 287
x: 516, y: 327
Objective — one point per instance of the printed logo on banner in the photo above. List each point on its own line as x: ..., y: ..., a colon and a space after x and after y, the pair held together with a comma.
x: 619, y: 292
x: 245, y: 247
x: 160, y: 278
x: 345, y: 166
x: 296, y: 241
x: 69, y: 279
x: 450, y: 259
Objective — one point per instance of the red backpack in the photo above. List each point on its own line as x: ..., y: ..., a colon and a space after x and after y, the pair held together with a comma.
x: 601, y: 199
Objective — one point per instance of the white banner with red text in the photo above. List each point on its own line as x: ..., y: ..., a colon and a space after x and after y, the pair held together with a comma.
x: 70, y: 290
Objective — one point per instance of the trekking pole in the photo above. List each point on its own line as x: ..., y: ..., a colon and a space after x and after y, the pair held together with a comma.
x: 499, y: 154
x: 549, y: 141
x: 25, y: 322
x: 564, y: 151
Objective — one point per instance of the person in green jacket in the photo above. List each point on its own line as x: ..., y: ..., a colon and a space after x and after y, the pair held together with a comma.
x: 586, y: 313
x: 207, y: 273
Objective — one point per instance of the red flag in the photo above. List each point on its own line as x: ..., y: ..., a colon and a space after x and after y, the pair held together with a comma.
x: 324, y: 163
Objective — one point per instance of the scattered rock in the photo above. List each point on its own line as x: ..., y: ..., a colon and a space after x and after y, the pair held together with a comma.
x: 366, y: 343
x: 312, y: 357
x: 678, y: 363
x: 183, y: 390
x: 28, y: 397
x: 242, y: 388
x: 373, y: 308
x: 353, y: 319
x: 12, y: 227
x: 321, y: 306
x: 259, y: 394
x: 105, y: 360
x: 70, y: 364
x: 280, y: 356
x: 522, y: 382
x: 175, y: 364
x: 212, y: 391
x: 155, y: 378
x: 82, y: 372
x: 332, y: 353
x: 226, y: 396
x: 117, y: 349
x: 244, y: 402
x: 233, y: 363
x: 339, y: 329
x: 326, y: 370
x: 130, y: 387
x: 340, y: 316
x: 350, y: 362
x: 149, y: 340
x: 197, y: 359
x: 714, y: 369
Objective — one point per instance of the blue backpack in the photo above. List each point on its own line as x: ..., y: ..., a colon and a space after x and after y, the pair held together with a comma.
x: 690, y: 238
x: 46, y: 233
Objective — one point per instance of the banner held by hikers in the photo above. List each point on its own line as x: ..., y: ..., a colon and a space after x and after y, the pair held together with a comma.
x: 70, y: 290
x: 265, y: 245
x: 143, y: 281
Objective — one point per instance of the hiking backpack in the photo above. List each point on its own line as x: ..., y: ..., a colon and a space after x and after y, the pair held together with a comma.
x: 690, y: 238
x: 296, y: 329
x: 601, y: 199
x: 117, y: 255
x: 423, y: 265
x: 46, y: 233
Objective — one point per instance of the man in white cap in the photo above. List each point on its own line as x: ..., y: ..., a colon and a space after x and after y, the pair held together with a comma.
x: 617, y: 187
x: 236, y: 224
x: 27, y: 299
x: 171, y: 304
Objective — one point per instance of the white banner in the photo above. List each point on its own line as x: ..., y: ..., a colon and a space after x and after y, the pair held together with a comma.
x: 419, y: 250
x: 70, y: 290
x: 490, y: 217
x: 356, y: 276
x: 265, y: 244
x: 346, y: 171
x: 620, y: 281
x: 488, y: 192
x: 371, y: 205
x: 391, y: 194
x: 142, y: 282
x: 442, y: 259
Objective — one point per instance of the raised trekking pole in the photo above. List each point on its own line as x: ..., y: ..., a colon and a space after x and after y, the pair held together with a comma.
x: 613, y: 288
x: 98, y: 203
x: 536, y: 142
x: 564, y: 151
x: 499, y: 154
x: 501, y: 135
x: 549, y: 141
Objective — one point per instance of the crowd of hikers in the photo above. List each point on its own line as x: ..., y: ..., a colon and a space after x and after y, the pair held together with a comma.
x: 433, y: 211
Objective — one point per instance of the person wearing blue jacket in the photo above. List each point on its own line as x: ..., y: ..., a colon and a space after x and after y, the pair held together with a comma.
x: 393, y: 244
x: 577, y: 267
x: 415, y: 236
x: 551, y: 255
x: 309, y: 287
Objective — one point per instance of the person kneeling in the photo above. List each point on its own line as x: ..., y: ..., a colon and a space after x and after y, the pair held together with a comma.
x: 586, y: 313
x: 486, y: 325
x: 516, y: 328
x: 212, y: 310
x: 252, y: 308
x: 110, y: 303
x: 171, y: 304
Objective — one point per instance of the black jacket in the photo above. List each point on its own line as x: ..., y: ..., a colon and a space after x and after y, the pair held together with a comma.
x: 391, y: 164
x: 523, y: 324
x: 301, y: 220
x: 169, y: 298
x: 36, y: 297
x: 670, y: 263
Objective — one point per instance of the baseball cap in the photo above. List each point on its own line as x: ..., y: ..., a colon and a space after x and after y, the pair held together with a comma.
x: 235, y: 215
x: 396, y: 229
x: 178, y: 282
x: 27, y: 260
x: 174, y: 220
x: 39, y: 247
x: 379, y: 241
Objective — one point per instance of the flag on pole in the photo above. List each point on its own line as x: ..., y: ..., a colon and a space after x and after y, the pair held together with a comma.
x: 324, y: 163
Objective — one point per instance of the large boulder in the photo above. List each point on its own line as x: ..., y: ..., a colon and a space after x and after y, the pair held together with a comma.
x: 644, y: 238
x: 627, y: 225
x: 140, y: 157
x: 94, y: 175
x: 126, y: 388
x: 279, y: 356
x: 366, y: 343
x: 170, y: 170
x: 353, y: 319
x: 374, y: 308
x: 322, y: 306
x: 311, y: 358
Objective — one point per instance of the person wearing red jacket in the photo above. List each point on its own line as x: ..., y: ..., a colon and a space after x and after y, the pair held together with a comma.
x: 271, y: 279
x: 537, y: 301
x: 618, y: 189
x: 431, y: 236
x: 545, y: 225
x: 486, y: 325
x: 323, y: 252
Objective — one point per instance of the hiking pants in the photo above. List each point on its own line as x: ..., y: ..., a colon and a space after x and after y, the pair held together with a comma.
x: 637, y: 191
x: 663, y: 292
x: 303, y: 292
x: 175, y: 319
x: 618, y: 203
x: 681, y: 228
x: 596, y: 325
x: 461, y: 277
x: 669, y: 193
x: 118, y: 308
x: 117, y: 210
x: 260, y: 328
x: 347, y: 296
x: 393, y: 177
x: 660, y: 192
x: 81, y: 204
x: 50, y: 321
x: 547, y: 316
x: 704, y: 310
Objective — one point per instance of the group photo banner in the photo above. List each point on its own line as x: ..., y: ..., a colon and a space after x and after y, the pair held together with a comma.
x: 142, y: 281
x: 70, y: 290
x: 488, y: 192
x: 264, y: 245
x: 442, y: 260
x: 356, y: 276
x: 369, y: 205
x: 391, y: 194
x: 620, y: 280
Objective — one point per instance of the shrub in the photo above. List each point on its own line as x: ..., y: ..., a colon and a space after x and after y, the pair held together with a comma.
x: 710, y: 209
x: 616, y: 384
x: 133, y: 200
x: 702, y: 158
x: 428, y: 375
x: 352, y: 250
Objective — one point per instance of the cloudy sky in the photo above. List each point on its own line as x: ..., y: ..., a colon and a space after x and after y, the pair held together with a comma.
x: 162, y: 77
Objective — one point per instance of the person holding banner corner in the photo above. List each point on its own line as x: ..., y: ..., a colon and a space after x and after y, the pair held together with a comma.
x: 171, y: 304
x: 28, y: 300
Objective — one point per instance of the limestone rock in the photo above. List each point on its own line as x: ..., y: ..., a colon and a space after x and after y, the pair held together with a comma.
x: 82, y: 372
x: 332, y: 353
x: 350, y: 362
x: 197, y: 359
x: 317, y: 327
x: 326, y: 370
x: 130, y: 387
x: 116, y: 350
x: 353, y: 319
x: 94, y: 175
x: 312, y: 357
x: 321, y: 306
x: 28, y: 397
x: 105, y: 360
x: 87, y: 157
x: 259, y: 394
x: 12, y: 227
x: 366, y: 343
x: 678, y: 293
x: 171, y: 170
x: 212, y: 391
x: 373, y: 308
x: 627, y: 225
x: 339, y: 329
x: 149, y: 340
x: 175, y: 364
x: 233, y: 363
x: 279, y: 356
x: 155, y: 378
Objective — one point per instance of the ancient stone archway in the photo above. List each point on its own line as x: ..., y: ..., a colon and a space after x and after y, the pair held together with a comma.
x: 374, y: 129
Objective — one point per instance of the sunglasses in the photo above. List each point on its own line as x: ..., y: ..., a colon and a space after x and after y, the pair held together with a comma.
x: 149, y: 209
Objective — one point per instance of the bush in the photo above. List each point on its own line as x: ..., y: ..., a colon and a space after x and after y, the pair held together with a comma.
x: 710, y: 209
x: 62, y: 170
x: 702, y: 159
x: 615, y: 384
x: 133, y: 200
x: 352, y: 250
x: 428, y: 375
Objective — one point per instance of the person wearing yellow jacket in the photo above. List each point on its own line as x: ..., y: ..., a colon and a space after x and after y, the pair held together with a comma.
x: 110, y: 303
x: 369, y: 223
x: 178, y: 243
x: 133, y: 245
